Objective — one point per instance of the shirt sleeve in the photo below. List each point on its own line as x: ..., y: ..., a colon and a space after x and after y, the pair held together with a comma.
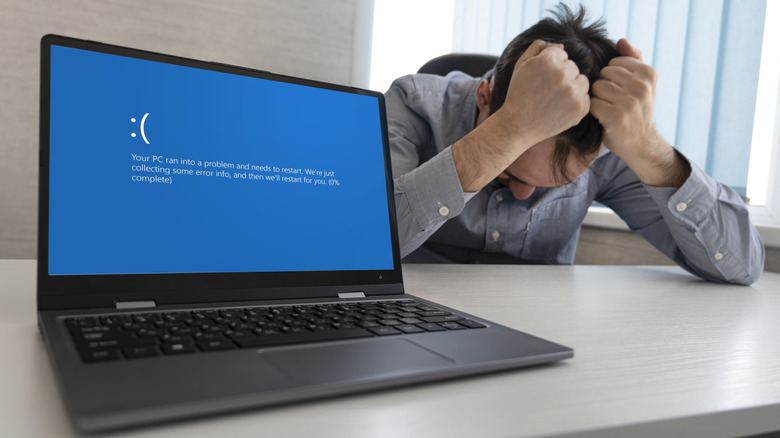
x: 704, y: 226
x: 427, y: 194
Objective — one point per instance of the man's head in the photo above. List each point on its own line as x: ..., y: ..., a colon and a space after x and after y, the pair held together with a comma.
x: 587, y: 45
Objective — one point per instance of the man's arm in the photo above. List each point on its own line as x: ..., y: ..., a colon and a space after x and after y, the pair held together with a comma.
x: 623, y: 100
x: 701, y: 224
x: 428, y: 194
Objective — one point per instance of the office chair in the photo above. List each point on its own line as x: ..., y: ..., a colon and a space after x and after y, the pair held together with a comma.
x: 472, y: 64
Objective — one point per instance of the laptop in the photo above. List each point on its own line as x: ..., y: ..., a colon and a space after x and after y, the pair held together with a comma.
x: 215, y: 238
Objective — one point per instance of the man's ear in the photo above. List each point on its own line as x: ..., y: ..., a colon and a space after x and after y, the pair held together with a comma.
x: 484, y: 91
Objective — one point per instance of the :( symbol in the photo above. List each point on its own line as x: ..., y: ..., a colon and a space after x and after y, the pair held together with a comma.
x: 143, y: 133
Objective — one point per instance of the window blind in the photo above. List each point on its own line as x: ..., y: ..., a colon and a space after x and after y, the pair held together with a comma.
x: 707, y: 54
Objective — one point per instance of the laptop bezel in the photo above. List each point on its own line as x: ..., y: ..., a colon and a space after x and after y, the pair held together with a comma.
x: 93, y: 291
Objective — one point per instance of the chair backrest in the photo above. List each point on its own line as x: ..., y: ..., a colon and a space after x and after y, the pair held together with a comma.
x: 472, y: 64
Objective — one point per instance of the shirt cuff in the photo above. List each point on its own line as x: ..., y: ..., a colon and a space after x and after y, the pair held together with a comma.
x: 433, y: 190
x: 692, y: 202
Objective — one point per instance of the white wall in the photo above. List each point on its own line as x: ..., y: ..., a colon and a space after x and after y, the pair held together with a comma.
x: 312, y: 39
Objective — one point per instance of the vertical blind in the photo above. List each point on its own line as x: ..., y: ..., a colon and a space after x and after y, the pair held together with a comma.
x: 707, y: 54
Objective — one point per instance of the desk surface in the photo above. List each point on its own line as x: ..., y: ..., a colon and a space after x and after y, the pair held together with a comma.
x: 657, y: 353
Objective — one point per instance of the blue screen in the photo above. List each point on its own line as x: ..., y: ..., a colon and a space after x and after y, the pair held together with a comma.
x: 161, y: 168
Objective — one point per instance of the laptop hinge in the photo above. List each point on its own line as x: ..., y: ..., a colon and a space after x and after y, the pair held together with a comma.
x: 135, y: 304
x: 352, y: 295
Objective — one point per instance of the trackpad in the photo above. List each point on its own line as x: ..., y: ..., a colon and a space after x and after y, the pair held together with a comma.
x: 355, y: 361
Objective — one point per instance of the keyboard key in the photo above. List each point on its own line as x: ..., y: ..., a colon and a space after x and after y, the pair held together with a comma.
x: 391, y: 310
x: 410, y: 320
x: 391, y: 322
x: 432, y: 327
x: 140, y: 351
x: 93, y: 329
x: 409, y: 328
x: 99, y: 336
x: 176, y: 338
x: 178, y: 348
x: 146, y: 333
x: 209, y: 337
x: 433, y: 313
x: 81, y: 322
x: 384, y: 331
x: 471, y: 324
x: 444, y: 318
x: 452, y: 326
x: 113, y: 343
x: 427, y: 308
x: 99, y: 355
x: 215, y: 344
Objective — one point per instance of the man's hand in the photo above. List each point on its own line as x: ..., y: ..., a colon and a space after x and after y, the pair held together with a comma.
x: 623, y: 102
x: 547, y: 95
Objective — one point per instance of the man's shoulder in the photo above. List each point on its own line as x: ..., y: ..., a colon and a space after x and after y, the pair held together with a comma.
x: 448, y: 102
x: 427, y: 87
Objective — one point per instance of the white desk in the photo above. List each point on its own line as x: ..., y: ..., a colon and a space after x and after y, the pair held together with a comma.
x: 657, y: 353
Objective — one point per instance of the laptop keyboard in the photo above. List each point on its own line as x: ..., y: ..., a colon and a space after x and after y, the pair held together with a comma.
x: 138, y: 335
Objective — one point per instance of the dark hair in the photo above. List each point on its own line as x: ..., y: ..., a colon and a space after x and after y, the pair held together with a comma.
x: 588, y: 46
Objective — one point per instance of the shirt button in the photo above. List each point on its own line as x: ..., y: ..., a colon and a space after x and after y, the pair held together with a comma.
x: 495, y: 235
x: 444, y: 211
x: 681, y: 207
x: 499, y: 197
x: 717, y: 256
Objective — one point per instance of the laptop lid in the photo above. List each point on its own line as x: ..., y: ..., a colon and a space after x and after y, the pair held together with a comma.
x: 183, y: 181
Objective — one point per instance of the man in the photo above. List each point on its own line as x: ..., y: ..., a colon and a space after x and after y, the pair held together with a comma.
x: 502, y: 169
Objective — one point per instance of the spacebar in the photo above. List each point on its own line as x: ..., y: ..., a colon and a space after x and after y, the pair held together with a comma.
x: 301, y: 338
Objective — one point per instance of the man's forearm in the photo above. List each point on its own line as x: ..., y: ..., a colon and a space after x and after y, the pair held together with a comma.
x: 483, y: 154
x: 658, y: 164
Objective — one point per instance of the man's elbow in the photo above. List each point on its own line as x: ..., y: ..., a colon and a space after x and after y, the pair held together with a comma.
x: 753, y: 275
x: 747, y: 280
x: 754, y: 266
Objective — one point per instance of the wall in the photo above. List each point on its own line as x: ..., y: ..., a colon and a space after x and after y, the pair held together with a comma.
x: 312, y: 39
x: 599, y: 246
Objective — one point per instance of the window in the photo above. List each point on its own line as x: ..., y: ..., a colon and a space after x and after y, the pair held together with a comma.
x: 407, y: 33
x: 717, y: 96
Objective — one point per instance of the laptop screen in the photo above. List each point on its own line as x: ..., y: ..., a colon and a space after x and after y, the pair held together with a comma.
x: 158, y: 167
